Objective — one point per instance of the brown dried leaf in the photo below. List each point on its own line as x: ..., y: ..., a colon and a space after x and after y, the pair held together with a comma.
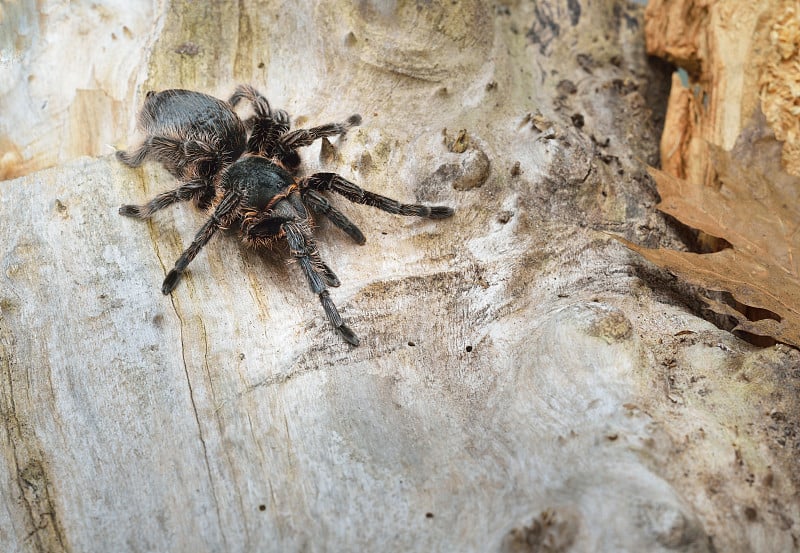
x: 755, y: 210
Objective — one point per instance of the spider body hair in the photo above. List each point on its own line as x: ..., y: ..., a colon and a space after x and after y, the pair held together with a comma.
x: 244, y: 174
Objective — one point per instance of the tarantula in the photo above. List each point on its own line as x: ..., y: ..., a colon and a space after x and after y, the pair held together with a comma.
x: 245, y: 173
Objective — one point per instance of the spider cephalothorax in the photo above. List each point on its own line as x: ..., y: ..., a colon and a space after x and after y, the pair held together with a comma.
x: 244, y: 173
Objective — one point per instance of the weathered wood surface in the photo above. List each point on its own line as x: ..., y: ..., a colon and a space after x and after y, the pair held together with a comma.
x: 521, y: 385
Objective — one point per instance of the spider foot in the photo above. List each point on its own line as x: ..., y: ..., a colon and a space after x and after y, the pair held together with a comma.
x: 173, y: 277
x: 348, y: 335
x: 440, y: 212
x: 132, y: 159
x: 132, y: 211
x: 336, y: 319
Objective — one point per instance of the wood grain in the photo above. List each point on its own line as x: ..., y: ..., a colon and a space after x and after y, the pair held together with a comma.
x: 520, y: 385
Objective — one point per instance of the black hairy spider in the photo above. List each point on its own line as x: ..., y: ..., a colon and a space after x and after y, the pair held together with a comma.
x: 245, y: 174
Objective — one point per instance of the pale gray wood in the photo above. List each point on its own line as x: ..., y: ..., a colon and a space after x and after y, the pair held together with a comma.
x: 522, y: 383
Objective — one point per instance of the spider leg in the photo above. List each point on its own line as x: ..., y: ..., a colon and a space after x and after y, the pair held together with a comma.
x: 321, y: 205
x: 247, y: 92
x: 272, y: 223
x: 304, y: 137
x: 324, y: 270
x: 278, y: 124
x: 356, y: 194
x: 135, y: 158
x: 226, y: 206
x: 263, y: 111
x: 296, y: 201
x: 328, y: 275
x: 266, y: 126
x: 302, y: 251
x: 175, y: 154
x: 184, y: 192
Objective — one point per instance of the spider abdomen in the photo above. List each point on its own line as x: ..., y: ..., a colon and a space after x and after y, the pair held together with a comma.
x: 192, y: 114
x: 183, y: 125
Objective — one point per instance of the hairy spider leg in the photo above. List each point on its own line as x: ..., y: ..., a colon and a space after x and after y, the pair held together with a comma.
x: 296, y: 200
x: 255, y: 234
x: 284, y: 146
x: 356, y: 194
x: 328, y: 275
x: 174, y: 154
x: 226, y: 206
x: 184, y: 192
x: 321, y: 205
x: 269, y: 224
x: 270, y: 128
x: 247, y: 92
x: 267, y: 125
x: 299, y: 138
x: 137, y: 157
x: 301, y: 251
x: 274, y: 125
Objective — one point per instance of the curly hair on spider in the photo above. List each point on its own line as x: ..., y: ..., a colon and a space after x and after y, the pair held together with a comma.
x: 244, y: 173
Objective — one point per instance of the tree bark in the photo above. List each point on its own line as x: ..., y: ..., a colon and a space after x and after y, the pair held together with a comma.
x: 523, y: 382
